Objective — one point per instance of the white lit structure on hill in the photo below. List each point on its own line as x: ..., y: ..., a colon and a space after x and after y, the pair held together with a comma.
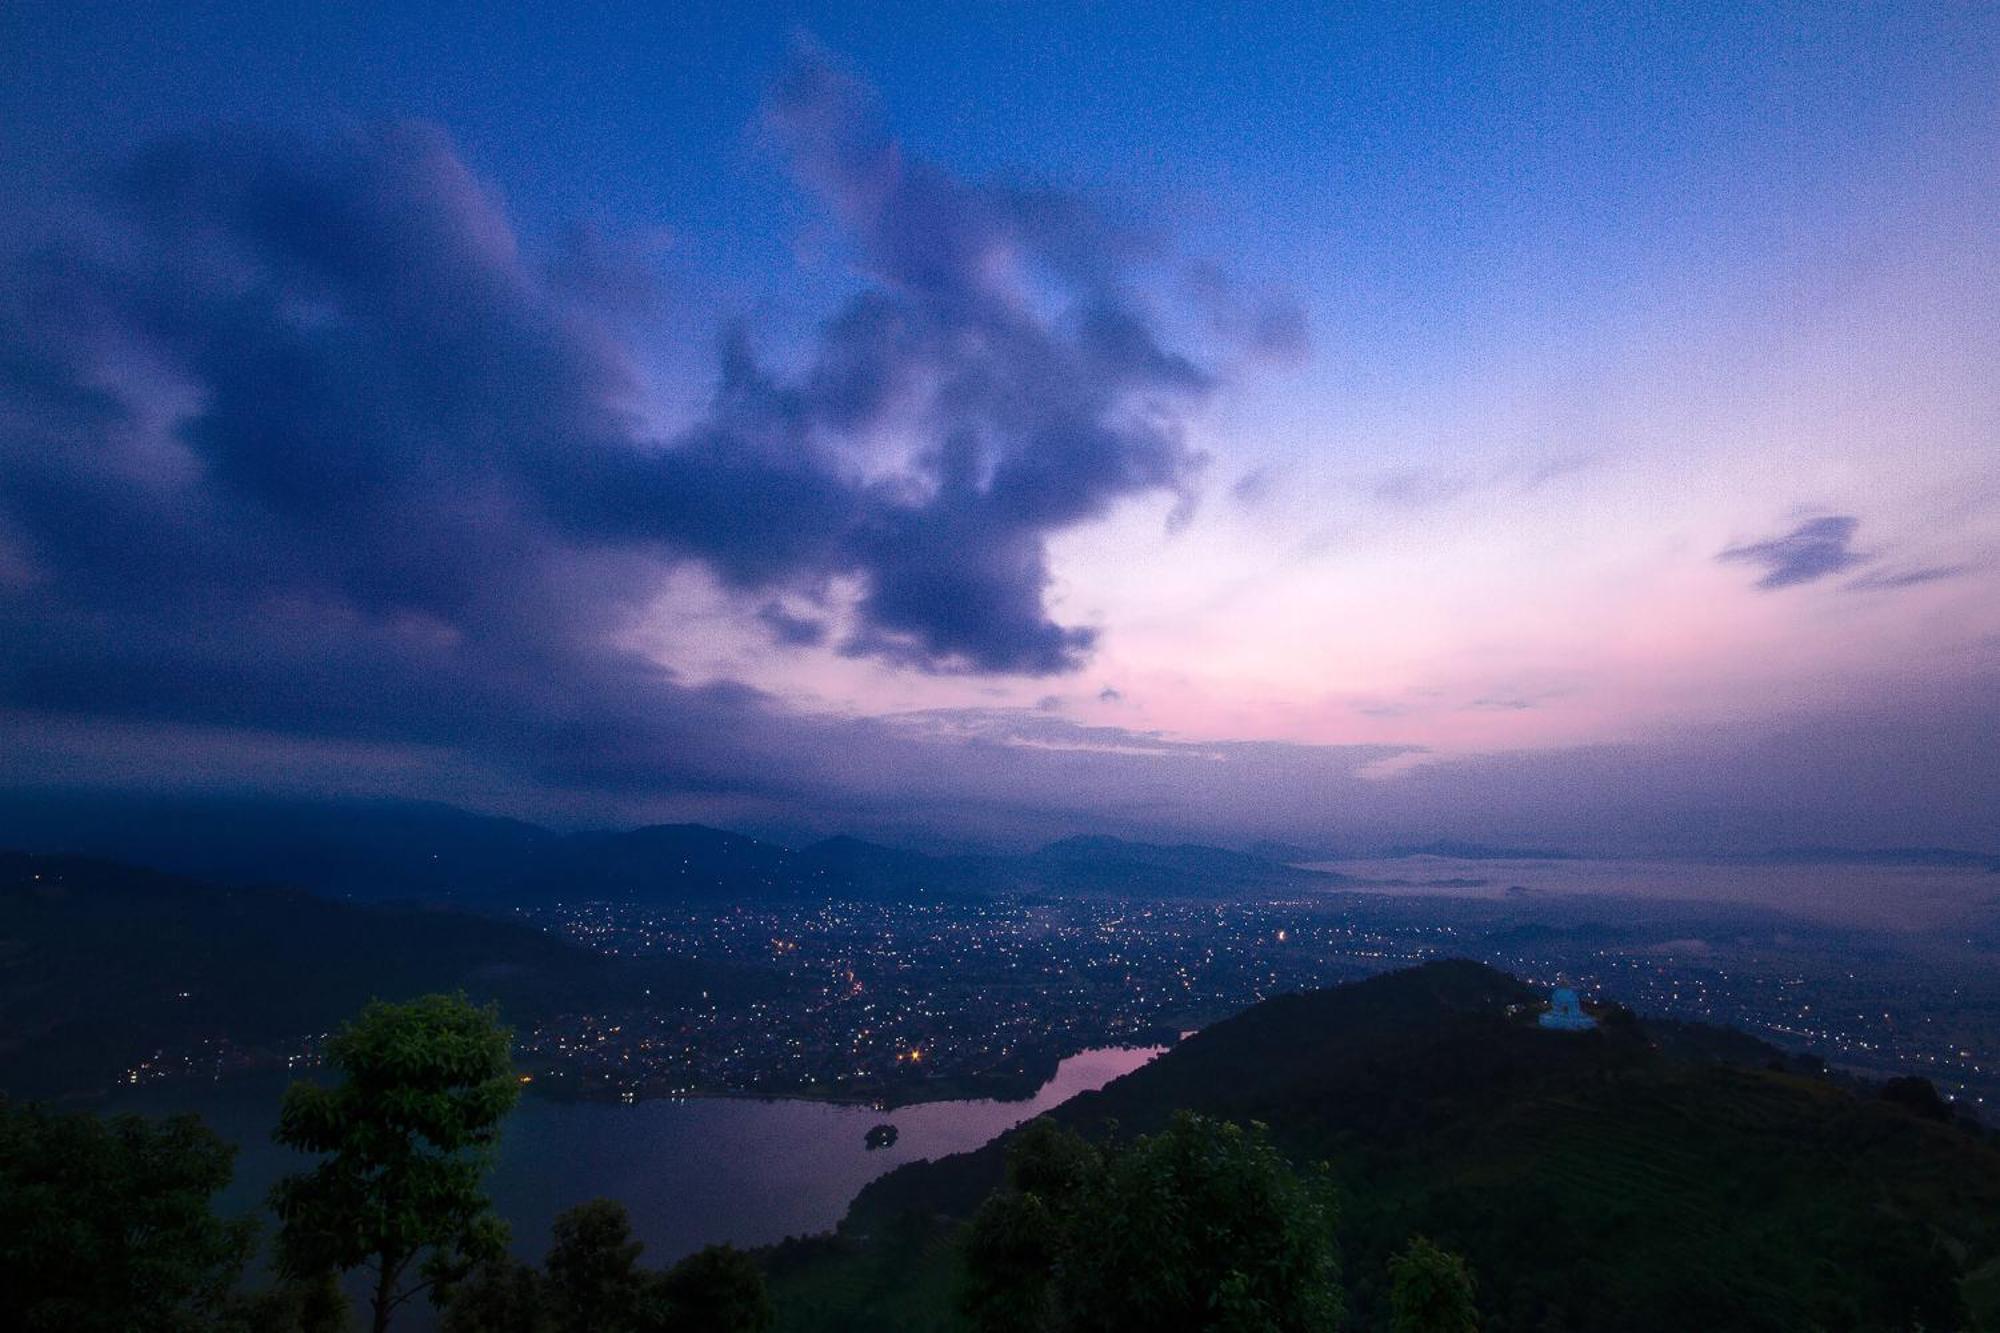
x: 1566, y: 1012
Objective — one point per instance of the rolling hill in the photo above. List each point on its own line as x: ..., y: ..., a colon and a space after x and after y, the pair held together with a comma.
x: 101, y: 962
x: 1616, y: 1179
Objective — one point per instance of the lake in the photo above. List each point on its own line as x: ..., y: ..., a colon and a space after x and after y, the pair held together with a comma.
x: 693, y: 1173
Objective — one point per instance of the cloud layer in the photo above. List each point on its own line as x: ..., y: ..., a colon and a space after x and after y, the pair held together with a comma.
x: 297, y: 437
x: 313, y: 469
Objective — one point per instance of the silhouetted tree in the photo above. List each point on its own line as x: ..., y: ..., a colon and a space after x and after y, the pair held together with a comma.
x: 1056, y: 1163
x: 408, y: 1135
x: 594, y: 1283
x: 314, y: 1306
x: 1431, y: 1291
x: 1010, y: 1252
x: 108, y: 1225
x: 1202, y: 1228
x: 503, y: 1295
x: 1914, y: 1092
x: 718, y: 1289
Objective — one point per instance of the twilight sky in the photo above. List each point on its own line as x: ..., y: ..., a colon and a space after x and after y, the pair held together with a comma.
x: 966, y: 422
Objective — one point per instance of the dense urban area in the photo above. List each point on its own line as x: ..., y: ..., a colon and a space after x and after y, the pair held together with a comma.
x: 901, y: 1002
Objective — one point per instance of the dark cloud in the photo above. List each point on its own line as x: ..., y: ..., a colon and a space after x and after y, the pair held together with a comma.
x: 791, y: 630
x: 310, y: 472
x: 1813, y: 550
x: 1000, y: 326
x: 1111, y: 694
x: 297, y: 437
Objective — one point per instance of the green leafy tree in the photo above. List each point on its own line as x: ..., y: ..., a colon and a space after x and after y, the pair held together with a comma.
x: 408, y: 1136
x: 503, y: 1295
x: 315, y: 1306
x: 1202, y: 1228
x: 1010, y: 1252
x: 1047, y: 1160
x: 109, y: 1225
x: 719, y: 1289
x: 594, y: 1284
x: 1015, y: 1241
x: 1431, y: 1291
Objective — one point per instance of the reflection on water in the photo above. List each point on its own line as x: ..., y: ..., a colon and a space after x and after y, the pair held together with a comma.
x: 692, y: 1172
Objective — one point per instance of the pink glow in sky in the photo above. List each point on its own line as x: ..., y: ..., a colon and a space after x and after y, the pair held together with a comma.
x: 1518, y: 428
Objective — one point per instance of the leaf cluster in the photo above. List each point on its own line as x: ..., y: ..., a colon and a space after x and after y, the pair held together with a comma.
x: 1201, y: 1228
x: 407, y: 1137
x: 106, y: 1224
x: 1431, y: 1291
x: 592, y: 1282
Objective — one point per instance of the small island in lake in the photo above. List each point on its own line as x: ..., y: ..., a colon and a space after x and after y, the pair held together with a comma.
x: 881, y: 1136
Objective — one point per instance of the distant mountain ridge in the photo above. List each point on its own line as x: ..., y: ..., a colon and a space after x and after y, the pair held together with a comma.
x: 1270, y: 849
x: 385, y: 850
x: 361, y: 848
x: 1095, y: 862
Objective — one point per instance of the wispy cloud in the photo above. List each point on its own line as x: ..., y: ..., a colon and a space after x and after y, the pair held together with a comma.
x: 1423, y: 487
x: 1813, y: 550
x: 1907, y: 576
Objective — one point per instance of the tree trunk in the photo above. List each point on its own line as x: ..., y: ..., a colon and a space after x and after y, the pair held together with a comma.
x: 385, y: 1288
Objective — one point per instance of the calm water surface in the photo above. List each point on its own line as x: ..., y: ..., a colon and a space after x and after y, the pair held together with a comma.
x: 692, y: 1173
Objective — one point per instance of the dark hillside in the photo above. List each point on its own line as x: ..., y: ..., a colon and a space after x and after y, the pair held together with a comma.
x: 101, y: 964
x: 1595, y: 1181
x: 423, y: 851
x: 850, y: 867
x: 662, y: 863
x: 1113, y: 865
x: 359, y: 849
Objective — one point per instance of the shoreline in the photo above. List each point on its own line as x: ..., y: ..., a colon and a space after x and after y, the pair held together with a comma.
x: 999, y: 1089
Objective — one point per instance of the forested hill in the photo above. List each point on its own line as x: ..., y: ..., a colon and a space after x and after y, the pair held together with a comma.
x: 1613, y: 1179
x: 101, y: 962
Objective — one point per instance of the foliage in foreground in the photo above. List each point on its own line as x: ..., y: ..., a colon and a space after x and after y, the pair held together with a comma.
x: 1431, y: 1291
x: 591, y: 1282
x: 106, y: 1224
x: 1201, y: 1228
x: 408, y: 1136
x: 109, y: 1225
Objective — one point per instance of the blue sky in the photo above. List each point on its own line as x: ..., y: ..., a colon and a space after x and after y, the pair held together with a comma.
x: 1437, y: 147
x: 1486, y: 386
